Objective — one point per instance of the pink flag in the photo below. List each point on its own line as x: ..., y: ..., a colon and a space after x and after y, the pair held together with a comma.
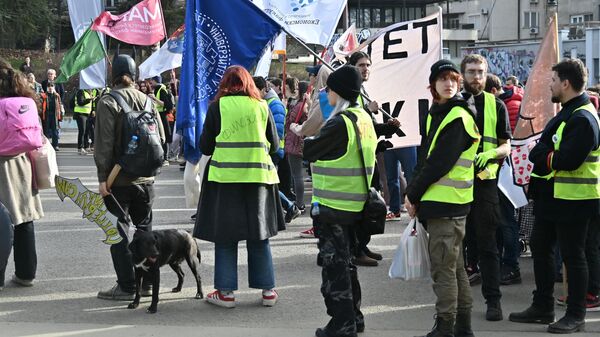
x: 537, y: 108
x: 142, y: 25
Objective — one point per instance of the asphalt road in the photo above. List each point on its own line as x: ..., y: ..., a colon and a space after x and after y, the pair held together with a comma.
x: 73, y: 265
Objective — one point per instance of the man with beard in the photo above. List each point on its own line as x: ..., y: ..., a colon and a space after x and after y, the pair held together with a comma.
x: 492, y: 121
x: 565, y: 188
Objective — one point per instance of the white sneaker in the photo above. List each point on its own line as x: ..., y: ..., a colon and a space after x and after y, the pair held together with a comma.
x: 82, y: 151
x: 269, y: 297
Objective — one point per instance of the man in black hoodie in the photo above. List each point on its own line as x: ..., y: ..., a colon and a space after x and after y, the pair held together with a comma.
x: 441, y: 193
x: 566, y: 190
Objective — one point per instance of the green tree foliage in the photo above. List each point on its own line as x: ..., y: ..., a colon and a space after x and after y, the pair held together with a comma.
x: 25, y: 24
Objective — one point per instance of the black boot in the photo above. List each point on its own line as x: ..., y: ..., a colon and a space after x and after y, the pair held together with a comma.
x: 532, y: 315
x: 567, y: 324
x: 494, y: 311
x: 442, y: 328
x: 462, y: 326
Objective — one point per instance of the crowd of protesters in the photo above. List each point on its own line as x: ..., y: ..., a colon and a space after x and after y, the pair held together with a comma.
x: 305, y: 132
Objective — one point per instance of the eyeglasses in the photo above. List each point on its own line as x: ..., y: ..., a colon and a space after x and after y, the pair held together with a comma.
x: 327, y: 89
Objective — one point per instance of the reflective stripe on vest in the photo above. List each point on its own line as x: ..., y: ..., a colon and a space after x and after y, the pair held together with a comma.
x: 340, y: 183
x: 490, y: 139
x: 282, y: 139
x: 84, y: 109
x: 456, y: 187
x: 582, y: 183
x: 241, y: 149
x: 161, y: 88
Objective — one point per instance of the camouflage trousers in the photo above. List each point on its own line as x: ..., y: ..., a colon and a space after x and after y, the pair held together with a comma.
x: 340, y: 286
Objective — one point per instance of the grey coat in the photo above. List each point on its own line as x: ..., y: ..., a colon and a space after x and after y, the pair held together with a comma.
x: 17, y: 193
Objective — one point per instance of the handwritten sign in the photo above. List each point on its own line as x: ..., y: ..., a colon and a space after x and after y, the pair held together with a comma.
x: 92, y: 205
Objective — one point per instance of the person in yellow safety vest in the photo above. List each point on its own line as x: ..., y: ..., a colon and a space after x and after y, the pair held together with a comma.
x: 441, y: 193
x: 240, y: 199
x: 340, y: 187
x: 565, y: 187
x: 164, y: 103
x: 491, y: 117
x: 91, y: 121
x: 81, y: 113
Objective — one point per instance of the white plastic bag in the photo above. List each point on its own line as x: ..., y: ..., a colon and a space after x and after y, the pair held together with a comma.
x: 45, y: 166
x: 411, y: 260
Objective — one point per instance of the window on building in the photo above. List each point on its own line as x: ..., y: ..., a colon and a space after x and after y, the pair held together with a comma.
x: 452, y: 21
x: 352, y: 16
x: 530, y: 19
x: 588, y: 17
x: 575, y: 19
x: 376, y: 17
x: 366, y: 18
x: 389, y: 16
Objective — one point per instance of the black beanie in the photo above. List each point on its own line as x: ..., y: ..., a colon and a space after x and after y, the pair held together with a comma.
x: 346, y: 82
x: 440, y: 66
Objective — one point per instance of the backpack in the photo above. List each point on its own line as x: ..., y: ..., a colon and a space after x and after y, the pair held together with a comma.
x: 145, y: 157
x: 20, y: 129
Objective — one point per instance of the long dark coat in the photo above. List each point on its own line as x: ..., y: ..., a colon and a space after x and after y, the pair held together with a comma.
x: 236, y: 211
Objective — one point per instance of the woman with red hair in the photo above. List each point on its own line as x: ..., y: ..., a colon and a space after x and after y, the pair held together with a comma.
x: 239, y: 198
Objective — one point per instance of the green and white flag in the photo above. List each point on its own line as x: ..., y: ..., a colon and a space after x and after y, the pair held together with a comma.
x: 87, y: 51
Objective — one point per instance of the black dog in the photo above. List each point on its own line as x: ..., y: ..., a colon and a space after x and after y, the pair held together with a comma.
x: 152, y: 250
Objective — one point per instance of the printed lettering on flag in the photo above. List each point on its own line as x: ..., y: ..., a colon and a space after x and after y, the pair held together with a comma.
x: 312, y: 21
x: 142, y: 25
x: 218, y: 34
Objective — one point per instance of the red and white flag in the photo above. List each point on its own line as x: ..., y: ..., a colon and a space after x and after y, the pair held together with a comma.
x: 142, y: 25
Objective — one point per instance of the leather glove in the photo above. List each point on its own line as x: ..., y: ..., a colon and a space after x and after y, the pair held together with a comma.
x: 481, y: 159
x: 383, y: 145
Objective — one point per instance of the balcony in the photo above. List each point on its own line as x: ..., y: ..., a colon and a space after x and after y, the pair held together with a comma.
x: 459, y: 34
x: 577, y: 30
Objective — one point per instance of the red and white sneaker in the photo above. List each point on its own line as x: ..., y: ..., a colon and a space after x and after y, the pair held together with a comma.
x: 217, y: 298
x: 309, y: 233
x: 269, y: 297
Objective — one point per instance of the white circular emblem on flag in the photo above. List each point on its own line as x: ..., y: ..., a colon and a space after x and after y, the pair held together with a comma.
x: 214, y: 58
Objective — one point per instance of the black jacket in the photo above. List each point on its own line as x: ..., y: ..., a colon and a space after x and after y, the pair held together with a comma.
x: 579, y: 137
x: 451, y: 142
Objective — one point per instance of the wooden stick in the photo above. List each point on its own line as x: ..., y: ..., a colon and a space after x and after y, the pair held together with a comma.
x: 113, y: 175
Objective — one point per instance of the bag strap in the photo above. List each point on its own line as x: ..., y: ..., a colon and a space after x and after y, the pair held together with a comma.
x: 120, y: 101
x: 360, y: 151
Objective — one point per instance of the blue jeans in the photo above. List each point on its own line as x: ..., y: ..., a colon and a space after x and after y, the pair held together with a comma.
x: 508, y: 236
x: 285, y: 202
x: 407, y: 157
x: 260, y: 265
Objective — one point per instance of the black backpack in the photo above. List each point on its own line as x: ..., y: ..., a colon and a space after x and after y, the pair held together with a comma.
x: 146, y: 157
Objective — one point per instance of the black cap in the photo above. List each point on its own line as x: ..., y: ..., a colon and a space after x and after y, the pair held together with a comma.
x: 157, y: 78
x: 440, y: 66
x: 123, y: 64
x: 346, y: 82
x: 314, y: 70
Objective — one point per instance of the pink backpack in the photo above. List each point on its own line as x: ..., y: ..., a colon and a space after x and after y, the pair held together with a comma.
x: 20, y: 129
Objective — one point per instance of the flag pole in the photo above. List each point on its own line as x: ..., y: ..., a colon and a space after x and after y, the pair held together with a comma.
x: 365, y: 96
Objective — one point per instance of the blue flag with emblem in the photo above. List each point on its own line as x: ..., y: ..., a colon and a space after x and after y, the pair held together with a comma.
x: 217, y: 34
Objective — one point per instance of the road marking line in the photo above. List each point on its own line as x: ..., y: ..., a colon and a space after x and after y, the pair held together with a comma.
x: 81, y: 332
